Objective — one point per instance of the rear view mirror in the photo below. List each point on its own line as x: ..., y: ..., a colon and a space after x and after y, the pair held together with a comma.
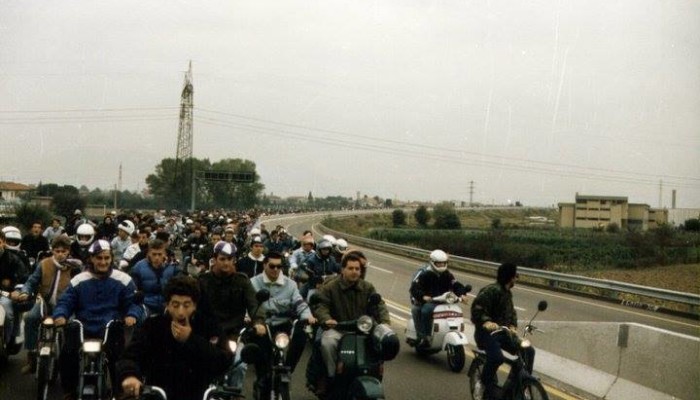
x: 542, y: 305
x: 374, y: 299
x: 262, y: 295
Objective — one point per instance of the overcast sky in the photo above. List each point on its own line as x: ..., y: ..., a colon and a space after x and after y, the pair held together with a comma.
x: 531, y: 100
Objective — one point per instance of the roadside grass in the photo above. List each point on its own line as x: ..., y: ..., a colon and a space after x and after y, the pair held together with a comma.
x: 542, y: 245
x: 680, y: 277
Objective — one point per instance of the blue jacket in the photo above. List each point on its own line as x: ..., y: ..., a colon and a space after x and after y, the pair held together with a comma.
x: 151, y: 282
x: 96, y: 301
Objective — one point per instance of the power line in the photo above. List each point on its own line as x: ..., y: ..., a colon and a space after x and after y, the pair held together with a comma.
x: 450, y: 150
x: 425, y: 155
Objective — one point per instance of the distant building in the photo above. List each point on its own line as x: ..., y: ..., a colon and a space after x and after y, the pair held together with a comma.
x: 601, y: 211
x: 11, y: 191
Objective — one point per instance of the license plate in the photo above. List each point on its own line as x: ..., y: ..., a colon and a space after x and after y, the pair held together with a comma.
x: 45, y: 351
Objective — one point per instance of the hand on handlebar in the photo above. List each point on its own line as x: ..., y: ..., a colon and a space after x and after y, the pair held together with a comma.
x: 490, y: 326
x: 427, y: 298
x: 60, y: 321
x: 311, y: 320
x: 129, y: 321
x: 260, y: 329
x: 132, y: 386
x: 331, y: 323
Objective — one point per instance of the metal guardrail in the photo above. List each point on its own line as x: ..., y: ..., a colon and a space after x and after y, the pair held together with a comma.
x: 605, y: 288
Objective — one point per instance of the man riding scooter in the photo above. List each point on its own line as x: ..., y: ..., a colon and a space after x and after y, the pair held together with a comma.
x: 432, y: 280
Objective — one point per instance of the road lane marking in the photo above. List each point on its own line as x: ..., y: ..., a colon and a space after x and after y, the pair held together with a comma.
x: 397, y: 317
x: 380, y: 269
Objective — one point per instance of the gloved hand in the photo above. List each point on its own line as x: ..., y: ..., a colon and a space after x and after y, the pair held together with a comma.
x: 490, y: 326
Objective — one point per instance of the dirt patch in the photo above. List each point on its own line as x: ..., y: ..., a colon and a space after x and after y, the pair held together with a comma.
x: 681, y: 278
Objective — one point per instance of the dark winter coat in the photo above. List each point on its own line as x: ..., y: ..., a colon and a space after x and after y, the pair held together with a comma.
x: 183, y: 370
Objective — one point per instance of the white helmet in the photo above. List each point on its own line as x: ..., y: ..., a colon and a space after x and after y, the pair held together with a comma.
x: 254, y: 231
x: 127, y: 226
x: 12, y: 234
x: 438, y: 256
x: 85, y: 230
x: 341, y: 244
x: 329, y: 238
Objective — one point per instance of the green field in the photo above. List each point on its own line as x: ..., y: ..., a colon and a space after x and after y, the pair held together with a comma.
x: 517, y: 239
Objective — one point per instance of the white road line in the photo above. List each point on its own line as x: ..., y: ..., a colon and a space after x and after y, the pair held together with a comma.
x: 381, y: 269
x: 397, y: 317
x: 520, y: 309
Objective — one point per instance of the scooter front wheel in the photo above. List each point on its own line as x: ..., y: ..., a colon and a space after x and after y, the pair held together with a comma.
x: 456, y: 358
x: 476, y: 388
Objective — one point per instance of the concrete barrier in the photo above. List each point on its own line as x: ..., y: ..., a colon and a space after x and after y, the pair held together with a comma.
x: 621, y: 360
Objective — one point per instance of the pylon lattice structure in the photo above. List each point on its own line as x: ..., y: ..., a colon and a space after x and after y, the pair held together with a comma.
x: 184, y: 134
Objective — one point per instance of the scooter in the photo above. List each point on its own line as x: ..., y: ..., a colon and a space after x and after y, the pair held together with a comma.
x: 362, y: 351
x: 519, y: 384
x: 448, y: 330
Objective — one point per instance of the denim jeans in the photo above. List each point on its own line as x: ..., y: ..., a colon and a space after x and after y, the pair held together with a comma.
x: 6, y: 303
x: 423, y: 319
x: 32, y: 320
x: 237, y: 377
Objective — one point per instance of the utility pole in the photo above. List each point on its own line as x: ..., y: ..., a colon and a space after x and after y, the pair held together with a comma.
x: 661, y: 190
x: 471, y: 193
x: 118, y: 187
x: 184, y: 138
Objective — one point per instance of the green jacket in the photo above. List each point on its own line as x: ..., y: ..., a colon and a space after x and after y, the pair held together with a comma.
x: 342, y: 301
x: 494, y: 303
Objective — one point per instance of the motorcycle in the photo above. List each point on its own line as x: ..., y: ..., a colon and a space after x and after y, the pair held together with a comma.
x: 223, y: 387
x: 49, y: 348
x: 94, y: 377
x: 362, y: 351
x: 7, y: 346
x: 274, y: 385
x: 448, y: 329
x: 520, y: 384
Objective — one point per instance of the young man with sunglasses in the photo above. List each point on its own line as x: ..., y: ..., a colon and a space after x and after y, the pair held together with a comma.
x: 284, y: 306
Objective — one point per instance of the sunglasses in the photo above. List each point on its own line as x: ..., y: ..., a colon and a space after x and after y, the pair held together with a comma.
x: 275, y: 266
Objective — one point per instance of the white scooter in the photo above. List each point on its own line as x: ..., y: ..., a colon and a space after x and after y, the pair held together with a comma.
x: 448, y: 331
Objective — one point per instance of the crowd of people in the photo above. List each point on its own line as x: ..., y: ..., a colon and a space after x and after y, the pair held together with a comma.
x: 186, y: 285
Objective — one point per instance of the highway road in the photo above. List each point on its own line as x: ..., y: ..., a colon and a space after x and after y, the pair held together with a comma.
x: 411, y: 376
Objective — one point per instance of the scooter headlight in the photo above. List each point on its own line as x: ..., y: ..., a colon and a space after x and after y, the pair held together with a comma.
x: 48, y: 321
x: 92, y: 346
x: 282, y: 340
x: 364, y: 324
x: 525, y: 344
x: 232, y: 345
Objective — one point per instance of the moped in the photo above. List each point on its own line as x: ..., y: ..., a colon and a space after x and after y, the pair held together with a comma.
x: 520, y: 384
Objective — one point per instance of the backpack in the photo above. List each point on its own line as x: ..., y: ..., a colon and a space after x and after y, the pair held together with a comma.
x: 414, y: 279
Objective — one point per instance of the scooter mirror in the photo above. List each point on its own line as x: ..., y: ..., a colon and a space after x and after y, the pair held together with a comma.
x: 374, y: 299
x: 262, y: 295
x: 542, y: 305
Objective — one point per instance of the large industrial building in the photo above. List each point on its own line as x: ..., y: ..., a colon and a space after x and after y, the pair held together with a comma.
x: 601, y: 211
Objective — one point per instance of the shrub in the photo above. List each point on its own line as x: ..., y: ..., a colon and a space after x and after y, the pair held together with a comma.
x: 422, y: 216
x: 445, y: 217
x: 398, y: 218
